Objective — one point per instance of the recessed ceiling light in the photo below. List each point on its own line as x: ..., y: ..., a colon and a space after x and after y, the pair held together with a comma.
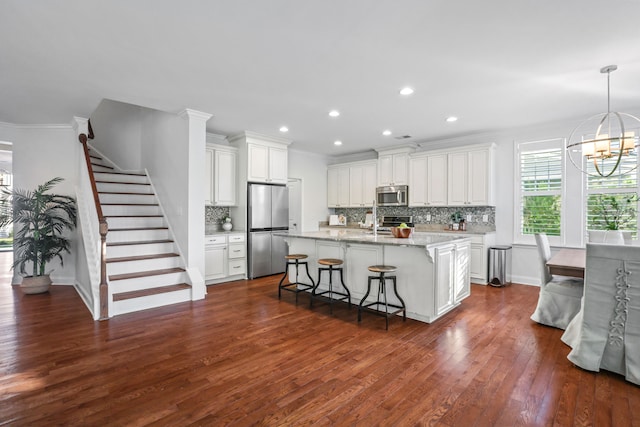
x: 337, y: 143
x: 386, y: 132
x: 334, y: 113
x: 452, y: 119
x: 284, y: 129
x: 406, y: 91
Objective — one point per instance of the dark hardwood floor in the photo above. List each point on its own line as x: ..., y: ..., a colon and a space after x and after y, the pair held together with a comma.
x: 242, y: 357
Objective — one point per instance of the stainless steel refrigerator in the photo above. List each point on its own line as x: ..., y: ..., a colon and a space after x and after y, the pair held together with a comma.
x: 268, y: 211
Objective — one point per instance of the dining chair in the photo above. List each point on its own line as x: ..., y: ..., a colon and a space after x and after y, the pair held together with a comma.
x: 605, y: 334
x: 560, y: 296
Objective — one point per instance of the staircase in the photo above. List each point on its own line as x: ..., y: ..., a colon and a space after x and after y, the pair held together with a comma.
x: 144, y: 269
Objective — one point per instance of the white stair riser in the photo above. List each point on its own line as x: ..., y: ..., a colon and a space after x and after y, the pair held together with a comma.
x: 98, y: 168
x: 147, y: 282
x: 123, y: 188
x: 143, y: 265
x: 110, y: 210
x: 151, y: 301
x: 136, y: 250
x: 136, y: 222
x: 136, y: 235
x: 144, y: 199
x: 139, y: 179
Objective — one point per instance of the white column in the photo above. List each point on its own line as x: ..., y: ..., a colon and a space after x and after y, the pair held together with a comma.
x: 197, y: 136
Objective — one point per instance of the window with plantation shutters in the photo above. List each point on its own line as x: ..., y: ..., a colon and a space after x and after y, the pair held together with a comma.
x: 540, y: 187
x: 612, y: 202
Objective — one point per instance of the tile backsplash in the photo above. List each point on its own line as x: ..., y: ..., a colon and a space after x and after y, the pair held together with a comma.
x: 440, y: 215
x: 213, y: 217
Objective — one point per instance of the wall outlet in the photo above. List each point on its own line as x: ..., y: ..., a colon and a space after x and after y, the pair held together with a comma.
x: 428, y: 217
x: 485, y: 218
x: 469, y: 218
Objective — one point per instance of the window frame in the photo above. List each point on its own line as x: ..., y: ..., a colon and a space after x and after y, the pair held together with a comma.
x: 533, y: 146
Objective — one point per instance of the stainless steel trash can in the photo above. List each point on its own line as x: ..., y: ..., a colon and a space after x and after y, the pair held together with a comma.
x: 499, y: 265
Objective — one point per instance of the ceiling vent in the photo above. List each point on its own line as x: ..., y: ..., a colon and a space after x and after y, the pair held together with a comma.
x: 403, y: 137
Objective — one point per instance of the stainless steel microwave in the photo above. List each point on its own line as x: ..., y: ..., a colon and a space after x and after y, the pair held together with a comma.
x: 396, y: 195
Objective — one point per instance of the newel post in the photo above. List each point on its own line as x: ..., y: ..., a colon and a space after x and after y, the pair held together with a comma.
x: 104, y: 289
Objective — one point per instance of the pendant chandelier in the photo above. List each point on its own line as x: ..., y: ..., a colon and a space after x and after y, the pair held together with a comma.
x: 605, y: 140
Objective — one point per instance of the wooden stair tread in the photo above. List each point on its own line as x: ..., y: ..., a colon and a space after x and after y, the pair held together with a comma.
x: 129, y: 204
x: 95, y: 156
x: 142, y: 257
x: 149, y: 273
x: 138, y: 228
x: 123, y: 173
x: 133, y: 216
x: 139, y: 242
x: 147, y: 292
x: 119, y: 182
x: 129, y: 193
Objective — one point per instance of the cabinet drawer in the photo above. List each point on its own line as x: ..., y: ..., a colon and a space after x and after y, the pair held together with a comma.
x: 237, y: 250
x: 237, y: 266
x: 215, y: 240
x: 236, y: 238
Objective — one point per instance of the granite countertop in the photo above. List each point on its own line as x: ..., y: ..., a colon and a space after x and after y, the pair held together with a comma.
x: 418, y: 239
x: 419, y: 228
x: 218, y: 232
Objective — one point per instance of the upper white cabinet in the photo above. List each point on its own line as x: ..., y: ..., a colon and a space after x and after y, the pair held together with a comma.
x: 267, y: 163
x: 224, y: 187
x: 338, y: 186
x: 428, y: 180
x: 351, y: 184
x: 263, y: 158
x: 470, y: 177
x: 221, y: 169
x: 393, y: 166
x: 362, y: 187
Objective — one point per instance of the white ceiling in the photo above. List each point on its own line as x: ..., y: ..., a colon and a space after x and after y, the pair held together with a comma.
x: 257, y: 65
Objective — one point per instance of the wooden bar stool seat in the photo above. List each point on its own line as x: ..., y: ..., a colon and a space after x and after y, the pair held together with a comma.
x: 332, y: 264
x: 382, y: 292
x: 297, y: 286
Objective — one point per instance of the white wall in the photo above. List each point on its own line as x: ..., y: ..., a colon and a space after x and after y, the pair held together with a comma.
x: 312, y: 170
x: 39, y: 154
x: 118, y: 129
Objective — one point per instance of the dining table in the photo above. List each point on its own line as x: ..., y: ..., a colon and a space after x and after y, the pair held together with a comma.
x: 568, y: 262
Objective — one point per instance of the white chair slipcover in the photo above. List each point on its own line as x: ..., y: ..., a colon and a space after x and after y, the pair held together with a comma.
x: 560, y: 296
x: 606, y: 332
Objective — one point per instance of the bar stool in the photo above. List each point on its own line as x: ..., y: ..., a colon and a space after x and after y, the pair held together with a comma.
x: 332, y: 265
x: 382, y: 289
x: 297, y: 287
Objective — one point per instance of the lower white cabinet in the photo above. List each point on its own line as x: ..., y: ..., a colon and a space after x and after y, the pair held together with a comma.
x: 479, y: 267
x: 225, y: 258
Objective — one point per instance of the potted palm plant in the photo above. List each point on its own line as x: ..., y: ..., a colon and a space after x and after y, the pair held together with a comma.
x: 42, y: 218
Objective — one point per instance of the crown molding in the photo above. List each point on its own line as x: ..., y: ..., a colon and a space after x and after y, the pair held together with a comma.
x: 194, y: 114
x: 36, y: 126
x: 250, y: 136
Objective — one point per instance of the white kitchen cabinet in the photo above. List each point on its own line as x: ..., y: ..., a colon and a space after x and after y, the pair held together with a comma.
x: 428, y: 180
x: 436, y: 180
x: 267, y: 163
x: 225, y: 257
x: 224, y: 187
x: 445, y: 278
x: 209, y: 178
x: 220, y: 176
x: 338, y: 186
x: 479, y: 267
x: 362, y: 184
x: 462, y: 281
x: 469, y: 178
x: 215, y: 257
x: 393, y: 166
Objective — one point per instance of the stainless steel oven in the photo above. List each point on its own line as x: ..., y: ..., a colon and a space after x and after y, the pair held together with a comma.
x: 396, y: 195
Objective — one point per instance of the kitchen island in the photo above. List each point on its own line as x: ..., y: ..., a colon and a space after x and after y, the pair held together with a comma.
x: 433, y: 270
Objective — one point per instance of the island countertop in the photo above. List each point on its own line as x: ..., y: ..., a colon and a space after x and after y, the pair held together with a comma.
x: 417, y: 239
